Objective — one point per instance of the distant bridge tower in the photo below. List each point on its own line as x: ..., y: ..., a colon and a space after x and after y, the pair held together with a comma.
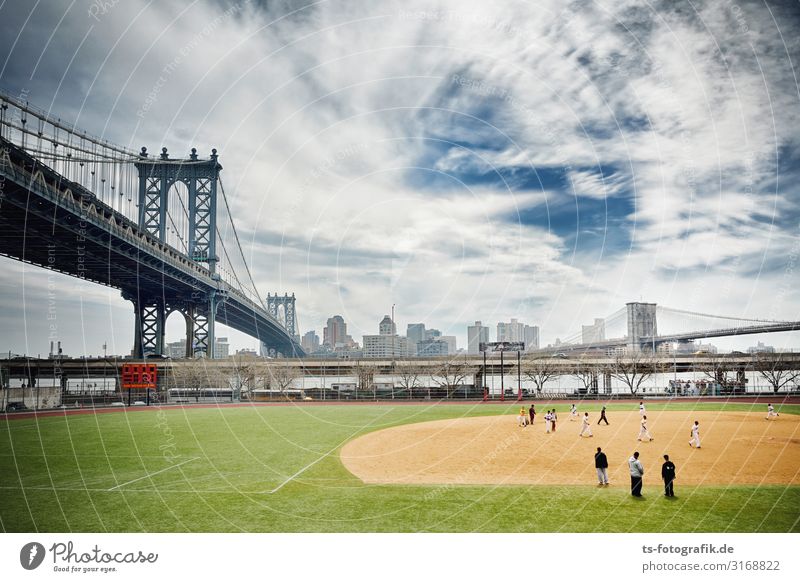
x: 282, y: 308
x: 152, y: 306
x: 641, y: 324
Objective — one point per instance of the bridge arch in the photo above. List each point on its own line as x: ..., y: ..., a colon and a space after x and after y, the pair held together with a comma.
x: 179, y: 327
x: 178, y: 204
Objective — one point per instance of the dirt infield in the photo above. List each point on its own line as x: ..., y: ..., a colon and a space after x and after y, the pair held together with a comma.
x: 737, y: 448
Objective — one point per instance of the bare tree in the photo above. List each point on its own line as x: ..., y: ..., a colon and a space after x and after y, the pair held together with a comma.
x: 450, y: 374
x: 720, y: 370
x: 586, y: 376
x: 245, y: 374
x: 776, y: 374
x: 539, y: 371
x: 279, y: 375
x: 633, y: 368
x: 408, y: 376
x: 189, y: 376
x: 364, y: 374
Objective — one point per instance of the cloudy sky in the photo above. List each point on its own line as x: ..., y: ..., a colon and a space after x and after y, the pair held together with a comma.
x: 541, y: 160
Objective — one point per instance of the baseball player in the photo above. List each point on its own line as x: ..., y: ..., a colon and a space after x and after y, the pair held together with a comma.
x: 553, y: 418
x: 641, y: 408
x: 586, y: 429
x: 522, y: 419
x: 573, y: 413
x: 547, y: 420
x: 603, y: 416
x: 643, y: 433
x: 695, y: 435
x: 771, y: 412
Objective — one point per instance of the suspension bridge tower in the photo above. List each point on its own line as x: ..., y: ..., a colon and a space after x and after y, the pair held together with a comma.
x: 641, y: 324
x: 157, y: 179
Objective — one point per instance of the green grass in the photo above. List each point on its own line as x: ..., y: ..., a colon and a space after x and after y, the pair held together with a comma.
x: 57, y: 474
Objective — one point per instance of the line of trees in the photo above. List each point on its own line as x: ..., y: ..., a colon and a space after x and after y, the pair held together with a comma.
x: 631, y: 370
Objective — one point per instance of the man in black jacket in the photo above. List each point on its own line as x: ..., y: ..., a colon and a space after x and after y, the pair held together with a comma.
x: 601, y: 464
x: 668, y: 474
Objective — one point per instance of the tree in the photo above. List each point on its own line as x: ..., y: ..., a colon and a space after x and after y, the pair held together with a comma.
x: 450, y: 374
x: 246, y: 376
x: 407, y: 374
x: 364, y: 374
x: 633, y: 368
x: 776, y: 374
x: 539, y: 371
x: 719, y: 370
x: 586, y: 376
x: 279, y: 375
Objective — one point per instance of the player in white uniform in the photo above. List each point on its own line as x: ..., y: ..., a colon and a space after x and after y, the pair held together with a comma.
x: 586, y: 429
x: 771, y: 411
x: 548, y: 418
x: 641, y: 409
x: 573, y: 413
x: 695, y: 435
x: 643, y: 433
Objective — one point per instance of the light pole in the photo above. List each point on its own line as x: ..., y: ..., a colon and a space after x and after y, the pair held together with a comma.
x: 502, y: 378
x: 483, y: 377
x: 394, y: 332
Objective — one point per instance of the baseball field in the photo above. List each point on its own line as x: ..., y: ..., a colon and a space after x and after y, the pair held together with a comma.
x: 396, y: 467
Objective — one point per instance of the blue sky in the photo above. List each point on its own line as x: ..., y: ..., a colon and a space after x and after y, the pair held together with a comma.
x: 464, y: 161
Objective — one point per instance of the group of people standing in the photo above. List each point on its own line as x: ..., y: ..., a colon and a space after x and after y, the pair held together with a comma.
x: 636, y: 470
x: 550, y: 418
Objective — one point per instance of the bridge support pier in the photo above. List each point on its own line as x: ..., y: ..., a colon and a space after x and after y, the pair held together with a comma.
x: 151, y: 317
x: 201, y: 319
x: 149, y: 327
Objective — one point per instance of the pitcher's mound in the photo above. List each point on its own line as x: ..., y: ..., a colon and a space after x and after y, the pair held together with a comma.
x: 737, y: 448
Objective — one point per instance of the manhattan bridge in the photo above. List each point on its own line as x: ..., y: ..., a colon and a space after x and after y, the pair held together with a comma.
x: 157, y: 228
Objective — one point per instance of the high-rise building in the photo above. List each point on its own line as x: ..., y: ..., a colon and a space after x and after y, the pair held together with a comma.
x: 334, y: 336
x: 451, y: 342
x: 513, y: 331
x: 177, y: 350
x: 386, y: 344
x: 531, y: 337
x: 310, y: 342
x: 222, y: 348
x: 387, y: 326
x: 415, y: 333
x: 594, y: 333
x: 432, y: 347
x: 476, y: 335
x: 432, y: 333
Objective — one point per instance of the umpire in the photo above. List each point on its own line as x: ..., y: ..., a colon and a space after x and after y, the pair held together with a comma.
x: 668, y: 474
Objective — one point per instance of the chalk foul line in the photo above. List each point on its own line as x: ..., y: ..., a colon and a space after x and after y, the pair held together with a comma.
x: 301, y: 471
x: 154, y: 474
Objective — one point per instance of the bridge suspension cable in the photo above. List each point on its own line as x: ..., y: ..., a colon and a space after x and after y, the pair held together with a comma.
x: 710, y: 316
x: 239, y: 244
